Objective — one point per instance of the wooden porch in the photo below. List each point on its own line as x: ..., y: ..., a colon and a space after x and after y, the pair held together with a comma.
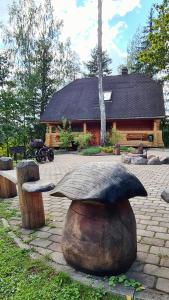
x: 149, y: 135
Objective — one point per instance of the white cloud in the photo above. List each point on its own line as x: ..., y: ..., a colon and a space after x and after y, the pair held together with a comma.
x: 80, y: 24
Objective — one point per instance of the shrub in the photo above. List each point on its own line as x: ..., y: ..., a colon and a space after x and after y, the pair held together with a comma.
x: 108, y: 139
x: 116, y: 136
x: 82, y: 140
x: 107, y: 149
x: 65, y: 134
x: 91, y: 151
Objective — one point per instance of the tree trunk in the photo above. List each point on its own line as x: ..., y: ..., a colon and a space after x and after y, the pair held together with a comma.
x: 100, y: 81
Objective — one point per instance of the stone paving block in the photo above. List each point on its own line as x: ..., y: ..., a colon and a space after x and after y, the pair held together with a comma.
x: 152, y: 259
x: 164, y: 236
x: 145, y: 233
x: 163, y: 285
x: 149, y: 222
x: 137, y: 266
x: 44, y: 228
x: 42, y: 234
x: 167, y: 244
x: 164, y: 261
x: 160, y: 219
x: 55, y: 238
x: 55, y: 231
x: 43, y: 251
x: 58, y: 258
x: 157, y: 228
x: 161, y: 251
x: 152, y: 241
x: 157, y: 271
x: 142, y: 247
x: 150, y: 294
x: 147, y: 281
x: 41, y: 242
x: 141, y: 226
x: 164, y: 224
x: 55, y: 247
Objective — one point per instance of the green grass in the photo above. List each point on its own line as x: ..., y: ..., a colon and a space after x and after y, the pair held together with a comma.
x: 24, y: 279
x: 91, y: 151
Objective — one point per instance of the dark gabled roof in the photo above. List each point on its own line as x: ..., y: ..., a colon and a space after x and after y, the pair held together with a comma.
x: 133, y: 96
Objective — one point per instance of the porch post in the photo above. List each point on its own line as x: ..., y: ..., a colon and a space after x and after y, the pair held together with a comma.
x: 156, y: 128
x: 84, y: 127
x: 114, y: 125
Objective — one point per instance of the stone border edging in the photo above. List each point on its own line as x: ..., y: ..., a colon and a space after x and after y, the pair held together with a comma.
x: 92, y: 281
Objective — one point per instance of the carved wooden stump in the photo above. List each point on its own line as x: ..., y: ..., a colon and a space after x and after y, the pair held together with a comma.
x: 100, y: 230
x: 100, y: 239
x: 31, y: 203
x: 7, y: 187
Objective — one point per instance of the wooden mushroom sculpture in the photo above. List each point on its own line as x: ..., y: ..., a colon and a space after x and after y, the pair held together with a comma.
x: 100, y: 230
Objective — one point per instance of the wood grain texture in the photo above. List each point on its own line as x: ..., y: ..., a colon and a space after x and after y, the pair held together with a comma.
x: 100, y: 182
x: 7, y: 185
x: 37, y: 186
x: 10, y: 175
x: 31, y: 204
x: 100, y: 239
x: 7, y: 188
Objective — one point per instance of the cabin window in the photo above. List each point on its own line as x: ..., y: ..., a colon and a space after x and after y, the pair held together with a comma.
x: 53, y: 129
x: 107, y: 95
x: 77, y: 127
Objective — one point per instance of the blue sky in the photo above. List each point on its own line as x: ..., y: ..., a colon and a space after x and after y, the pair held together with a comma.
x: 121, y: 18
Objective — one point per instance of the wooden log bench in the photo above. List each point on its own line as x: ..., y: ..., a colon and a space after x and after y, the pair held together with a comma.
x: 137, y: 136
x: 30, y: 188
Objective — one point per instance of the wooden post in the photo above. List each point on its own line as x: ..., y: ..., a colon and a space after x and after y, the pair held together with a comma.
x: 31, y: 204
x: 7, y: 188
x: 155, y: 133
x: 114, y: 125
x: 84, y: 127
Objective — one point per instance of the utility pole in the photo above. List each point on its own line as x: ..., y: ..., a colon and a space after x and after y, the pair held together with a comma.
x: 100, y: 77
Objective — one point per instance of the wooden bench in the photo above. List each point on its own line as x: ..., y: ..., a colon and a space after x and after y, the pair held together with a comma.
x: 30, y: 188
x: 137, y: 136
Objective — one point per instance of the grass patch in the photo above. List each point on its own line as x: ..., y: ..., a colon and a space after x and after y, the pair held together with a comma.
x: 91, y: 151
x: 24, y: 278
x: 5, y: 210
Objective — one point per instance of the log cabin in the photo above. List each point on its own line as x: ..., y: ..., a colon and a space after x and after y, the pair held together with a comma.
x: 134, y: 107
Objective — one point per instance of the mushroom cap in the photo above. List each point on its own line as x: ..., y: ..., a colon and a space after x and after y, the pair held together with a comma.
x: 99, y: 182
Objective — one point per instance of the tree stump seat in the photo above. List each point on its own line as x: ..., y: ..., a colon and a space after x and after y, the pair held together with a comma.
x: 30, y: 188
x: 37, y: 186
x: 99, y: 236
x: 10, y: 175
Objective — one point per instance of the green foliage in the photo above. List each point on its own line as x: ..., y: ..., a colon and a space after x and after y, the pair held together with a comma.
x: 115, y: 136
x: 139, y: 43
x: 122, y: 279
x: 5, y: 210
x: 82, y: 140
x: 157, y: 52
x: 91, y: 151
x: 65, y: 134
x: 92, y: 64
x: 23, y: 278
x: 127, y: 149
x: 108, y: 149
x: 42, y: 64
x: 108, y: 140
x: 165, y: 132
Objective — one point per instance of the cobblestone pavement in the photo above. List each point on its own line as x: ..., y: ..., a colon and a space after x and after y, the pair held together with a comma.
x: 152, y: 215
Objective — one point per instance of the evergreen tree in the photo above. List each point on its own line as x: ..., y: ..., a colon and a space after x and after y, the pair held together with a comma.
x: 139, y: 43
x: 92, y: 64
x: 157, y: 51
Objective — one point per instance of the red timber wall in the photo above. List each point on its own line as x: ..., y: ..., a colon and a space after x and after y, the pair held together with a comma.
x: 133, y: 132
